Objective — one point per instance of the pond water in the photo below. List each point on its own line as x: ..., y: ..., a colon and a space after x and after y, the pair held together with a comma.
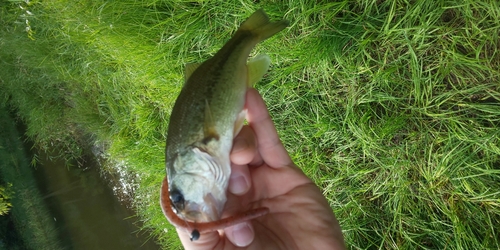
x: 86, y: 212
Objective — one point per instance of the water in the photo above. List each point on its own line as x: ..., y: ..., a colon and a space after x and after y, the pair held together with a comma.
x: 86, y: 212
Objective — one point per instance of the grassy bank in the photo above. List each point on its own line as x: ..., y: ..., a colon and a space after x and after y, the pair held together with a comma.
x: 29, y: 214
x: 391, y: 107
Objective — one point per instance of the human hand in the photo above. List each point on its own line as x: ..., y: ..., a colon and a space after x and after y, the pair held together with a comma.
x: 263, y: 175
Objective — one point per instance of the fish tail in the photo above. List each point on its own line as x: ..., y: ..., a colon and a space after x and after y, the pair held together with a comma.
x: 258, y: 23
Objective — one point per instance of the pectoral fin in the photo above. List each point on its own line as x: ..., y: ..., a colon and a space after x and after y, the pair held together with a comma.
x: 209, y: 130
x: 239, y: 122
x: 257, y: 67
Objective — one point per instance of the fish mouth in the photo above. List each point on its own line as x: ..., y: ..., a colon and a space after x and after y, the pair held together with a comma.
x: 209, y: 210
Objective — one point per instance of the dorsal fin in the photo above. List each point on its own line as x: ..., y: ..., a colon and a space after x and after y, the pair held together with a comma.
x: 189, y: 69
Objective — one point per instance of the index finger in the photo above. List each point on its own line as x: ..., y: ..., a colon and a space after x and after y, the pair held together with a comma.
x: 269, y: 144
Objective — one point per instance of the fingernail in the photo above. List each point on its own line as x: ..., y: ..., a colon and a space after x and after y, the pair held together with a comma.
x: 242, y: 234
x: 238, y: 184
x: 239, y: 144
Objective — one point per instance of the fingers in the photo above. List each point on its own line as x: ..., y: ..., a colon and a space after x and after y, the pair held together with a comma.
x: 244, y: 147
x: 243, y: 153
x: 269, y: 145
x: 239, y: 182
x: 206, y: 241
x: 241, y: 234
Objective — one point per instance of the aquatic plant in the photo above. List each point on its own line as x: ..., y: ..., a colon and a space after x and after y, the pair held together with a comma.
x: 5, y: 196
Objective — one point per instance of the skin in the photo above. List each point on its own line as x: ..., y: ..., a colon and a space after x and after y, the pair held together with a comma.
x: 263, y: 175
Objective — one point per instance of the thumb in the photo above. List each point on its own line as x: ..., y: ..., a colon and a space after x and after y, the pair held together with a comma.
x: 205, y: 241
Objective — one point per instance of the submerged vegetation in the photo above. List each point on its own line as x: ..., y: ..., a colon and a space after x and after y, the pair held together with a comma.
x: 391, y: 107
x: 5, y: 195
x: 29, y: 215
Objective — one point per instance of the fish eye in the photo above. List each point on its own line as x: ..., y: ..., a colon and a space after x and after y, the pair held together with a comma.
x: 177, y: 199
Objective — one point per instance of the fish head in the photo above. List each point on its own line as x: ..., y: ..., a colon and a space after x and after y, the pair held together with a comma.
x: 197, y: 191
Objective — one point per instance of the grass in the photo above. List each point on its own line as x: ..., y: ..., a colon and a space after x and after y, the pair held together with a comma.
x: 391, y: 107
x: 29, y: 214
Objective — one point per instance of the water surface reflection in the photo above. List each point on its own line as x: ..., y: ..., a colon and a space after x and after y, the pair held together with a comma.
x: 85, y: 210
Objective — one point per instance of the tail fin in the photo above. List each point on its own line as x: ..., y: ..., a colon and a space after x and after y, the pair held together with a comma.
x: 258, y: 23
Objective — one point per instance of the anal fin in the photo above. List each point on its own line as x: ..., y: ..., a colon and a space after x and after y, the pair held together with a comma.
x: 257, y: 67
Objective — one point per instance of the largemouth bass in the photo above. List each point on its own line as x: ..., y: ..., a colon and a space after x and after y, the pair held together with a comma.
x: 207, y: 114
